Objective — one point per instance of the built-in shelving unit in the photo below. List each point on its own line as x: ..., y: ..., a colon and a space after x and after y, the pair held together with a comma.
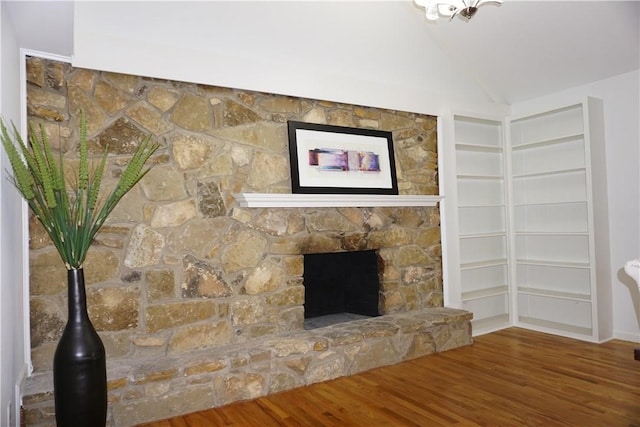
x: 482, y: 221
x: 531, y: 229
x: 555, y: 256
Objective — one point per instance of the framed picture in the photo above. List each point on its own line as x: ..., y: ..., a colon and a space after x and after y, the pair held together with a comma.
x: 341, y: 160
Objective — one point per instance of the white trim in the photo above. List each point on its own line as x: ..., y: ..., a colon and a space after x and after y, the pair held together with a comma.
x: 44, y: 55
x: 271, y: 200
x: 26, y: 321
x: 626, y: 336
x: 452, y: 292
x: 26, y: 318
x: 25, y: 371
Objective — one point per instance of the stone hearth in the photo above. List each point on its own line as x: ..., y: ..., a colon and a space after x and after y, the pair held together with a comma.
x: 152, y: 389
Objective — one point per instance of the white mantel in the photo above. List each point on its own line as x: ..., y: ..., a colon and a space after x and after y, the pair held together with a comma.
x: 272, y: 200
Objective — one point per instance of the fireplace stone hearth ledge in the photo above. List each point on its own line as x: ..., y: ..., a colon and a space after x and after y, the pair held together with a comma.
x: 212, y: 378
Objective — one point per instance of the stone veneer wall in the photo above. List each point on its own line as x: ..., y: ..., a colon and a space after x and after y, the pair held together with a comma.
x: 199, y: 301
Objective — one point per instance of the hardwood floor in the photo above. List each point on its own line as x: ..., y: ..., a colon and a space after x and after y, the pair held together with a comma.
x: 512, y: 377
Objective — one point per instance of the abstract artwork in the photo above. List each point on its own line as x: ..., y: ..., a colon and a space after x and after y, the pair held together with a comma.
x: 337, y: 159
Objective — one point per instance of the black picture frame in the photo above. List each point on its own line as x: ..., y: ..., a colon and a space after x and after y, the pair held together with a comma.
x: 327, y: 159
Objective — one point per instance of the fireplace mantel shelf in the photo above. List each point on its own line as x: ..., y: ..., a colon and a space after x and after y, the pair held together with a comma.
x: 271, y: 200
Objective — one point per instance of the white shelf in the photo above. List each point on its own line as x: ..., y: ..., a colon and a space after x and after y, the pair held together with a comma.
x: 281, y: 200
x: 551, y: 233
x: 482, y: 235
x: 478, y: 147
x: 489, y: 177
x: 490, y: 324
x: 553, y: 263
x: 549, y: 173
x: 555, y: 327
x: 480, y: 206
x: 554, y: 203
x: 482, y: 264
x: 485, y: 293
x: 550, y: 141
x: 554, y: 294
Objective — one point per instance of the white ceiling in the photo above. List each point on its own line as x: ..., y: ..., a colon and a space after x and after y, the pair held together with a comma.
x: 524, y: 49
x: 518, y: 51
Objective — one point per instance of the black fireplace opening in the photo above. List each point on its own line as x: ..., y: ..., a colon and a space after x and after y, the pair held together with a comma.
x: 340, y: 286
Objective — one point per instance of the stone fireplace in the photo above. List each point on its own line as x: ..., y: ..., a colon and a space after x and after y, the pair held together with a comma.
x: 200, y: 299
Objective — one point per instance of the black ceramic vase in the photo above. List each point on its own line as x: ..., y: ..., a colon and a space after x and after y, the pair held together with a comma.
x: 79, y: 365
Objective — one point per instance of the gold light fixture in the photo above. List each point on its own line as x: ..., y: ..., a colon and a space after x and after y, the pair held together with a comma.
x: 451, y: 8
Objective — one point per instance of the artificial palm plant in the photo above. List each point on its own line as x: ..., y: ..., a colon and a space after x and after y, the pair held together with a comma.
x: 71, y: 210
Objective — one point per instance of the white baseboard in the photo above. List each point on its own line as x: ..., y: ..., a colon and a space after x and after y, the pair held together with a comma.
x: 627, y: 336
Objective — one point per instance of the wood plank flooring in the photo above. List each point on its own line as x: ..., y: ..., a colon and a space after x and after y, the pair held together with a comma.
x: 512, y: 377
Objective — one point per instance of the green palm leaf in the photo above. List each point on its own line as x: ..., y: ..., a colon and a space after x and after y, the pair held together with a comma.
x: 72, y: 212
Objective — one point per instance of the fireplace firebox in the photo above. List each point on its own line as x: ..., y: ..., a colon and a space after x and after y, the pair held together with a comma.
x: 340, y: 286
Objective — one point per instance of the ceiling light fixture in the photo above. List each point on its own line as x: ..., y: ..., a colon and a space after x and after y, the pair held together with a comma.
x: 452, y: 8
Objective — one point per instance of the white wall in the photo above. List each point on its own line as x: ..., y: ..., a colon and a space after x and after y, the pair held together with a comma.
x: 621, y: 98
x: 13, y: 245
x: 302, y: 49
